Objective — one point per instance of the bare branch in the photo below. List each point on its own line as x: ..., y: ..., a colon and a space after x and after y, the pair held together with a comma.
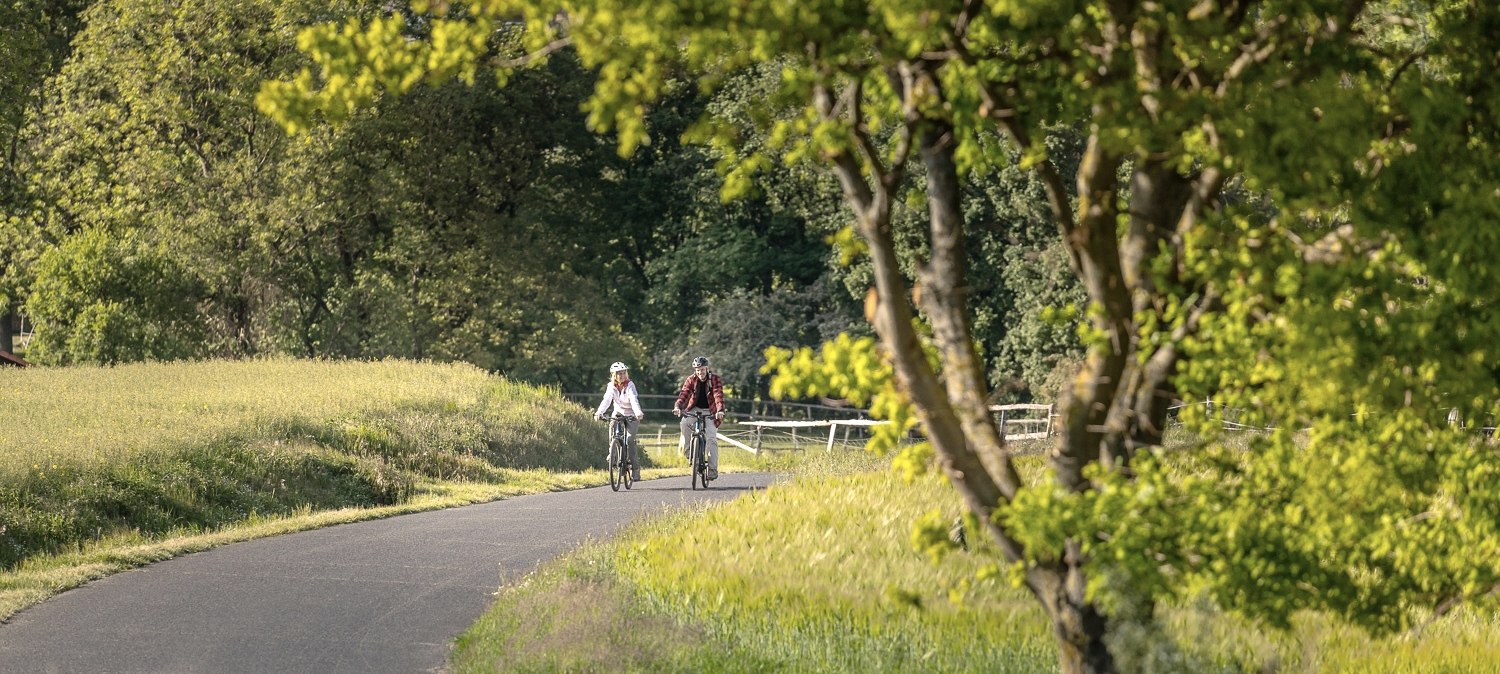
x: 532, y: 57
x: 861, y: 197
x: 1446, y: 606
x: 1411, y: 59
x: 964, y: 18
x: 852, y: 102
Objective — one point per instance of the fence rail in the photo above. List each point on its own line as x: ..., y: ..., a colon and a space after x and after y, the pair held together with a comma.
x: 740, y: 409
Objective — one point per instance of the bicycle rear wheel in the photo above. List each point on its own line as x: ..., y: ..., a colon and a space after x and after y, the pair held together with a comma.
x: 616, y: 470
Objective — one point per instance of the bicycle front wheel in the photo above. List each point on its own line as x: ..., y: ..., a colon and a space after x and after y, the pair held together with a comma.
x: 616, y: 469
x: 698, y: 470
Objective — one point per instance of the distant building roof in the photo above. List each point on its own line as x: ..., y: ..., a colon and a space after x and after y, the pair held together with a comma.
x: 8, y: 358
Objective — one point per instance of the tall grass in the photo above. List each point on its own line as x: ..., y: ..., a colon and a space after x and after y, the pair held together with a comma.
x: 819, y: 575
x: 816, y: 575
x: 91, y: 453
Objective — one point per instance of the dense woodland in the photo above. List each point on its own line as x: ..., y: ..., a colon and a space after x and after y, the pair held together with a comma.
x: 150, y: 212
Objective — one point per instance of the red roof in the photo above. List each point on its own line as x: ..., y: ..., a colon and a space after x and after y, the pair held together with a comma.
x: 8, y: 358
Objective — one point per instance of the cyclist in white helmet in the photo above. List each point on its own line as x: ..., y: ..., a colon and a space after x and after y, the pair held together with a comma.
x: 620, y: 393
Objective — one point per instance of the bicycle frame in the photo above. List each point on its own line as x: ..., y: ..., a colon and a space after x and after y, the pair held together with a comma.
x: 621, y: 468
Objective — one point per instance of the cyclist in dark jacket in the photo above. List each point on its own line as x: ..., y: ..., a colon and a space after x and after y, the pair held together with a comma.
x: 702, y: 390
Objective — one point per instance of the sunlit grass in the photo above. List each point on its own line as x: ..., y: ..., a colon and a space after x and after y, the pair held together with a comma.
x: 816, y: 575
x: 101, y: 463
x: 82, y: 415
x: 819, y: 575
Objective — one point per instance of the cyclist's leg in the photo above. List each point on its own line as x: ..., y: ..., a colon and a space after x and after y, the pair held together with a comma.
x: 687, y: 434
x: 711, y: 435
x: 632, y: 447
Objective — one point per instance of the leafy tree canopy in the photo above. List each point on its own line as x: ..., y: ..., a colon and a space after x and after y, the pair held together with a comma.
x: 1287, y: 205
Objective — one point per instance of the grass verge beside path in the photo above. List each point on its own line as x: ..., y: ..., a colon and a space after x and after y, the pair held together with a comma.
x: 816, y: 575
x: 104, y: 469
x: 820, y: 575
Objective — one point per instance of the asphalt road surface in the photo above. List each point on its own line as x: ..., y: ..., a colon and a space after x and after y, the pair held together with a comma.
x: 379, y: 596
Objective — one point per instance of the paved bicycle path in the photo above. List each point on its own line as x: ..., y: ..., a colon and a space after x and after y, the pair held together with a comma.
x: 378, y: 596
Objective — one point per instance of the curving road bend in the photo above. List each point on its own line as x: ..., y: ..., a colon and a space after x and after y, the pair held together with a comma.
x: 379, y: 596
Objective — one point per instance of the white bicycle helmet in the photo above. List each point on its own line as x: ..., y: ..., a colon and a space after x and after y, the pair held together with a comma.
x: 618, y: 367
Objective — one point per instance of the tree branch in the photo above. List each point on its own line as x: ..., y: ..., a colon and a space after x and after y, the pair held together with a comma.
x: 859, y: 193
x: 533, y: 57
x: 943, y: 296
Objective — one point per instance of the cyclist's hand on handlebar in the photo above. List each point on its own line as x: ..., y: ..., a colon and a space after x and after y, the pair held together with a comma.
x: 676, y: 411
x: 718, y: 416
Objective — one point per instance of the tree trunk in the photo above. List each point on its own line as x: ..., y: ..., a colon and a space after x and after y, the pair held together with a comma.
x: 951, y: 402
x: 7, y: 338
x: 1096, y: 256
x: 1077, y: 624
x: 1079, y: 631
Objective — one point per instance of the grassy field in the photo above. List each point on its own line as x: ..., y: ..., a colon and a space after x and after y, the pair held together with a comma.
x: 106, y: 468
x: 819, y: 575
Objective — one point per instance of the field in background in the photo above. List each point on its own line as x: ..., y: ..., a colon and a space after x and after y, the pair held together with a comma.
x: 101, y: 467
x: 820, y: 575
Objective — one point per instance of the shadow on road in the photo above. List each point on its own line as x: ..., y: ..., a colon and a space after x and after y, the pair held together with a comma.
x: 664, y: 487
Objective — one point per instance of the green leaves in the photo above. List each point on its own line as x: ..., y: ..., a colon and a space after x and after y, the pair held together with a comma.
x: 852, y: 369
x: 112, y: 298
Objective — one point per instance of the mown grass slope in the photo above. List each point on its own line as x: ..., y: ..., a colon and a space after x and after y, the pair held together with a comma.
x: 125, y: 456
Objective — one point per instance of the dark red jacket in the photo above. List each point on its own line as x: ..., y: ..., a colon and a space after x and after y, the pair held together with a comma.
x: 715, y: 394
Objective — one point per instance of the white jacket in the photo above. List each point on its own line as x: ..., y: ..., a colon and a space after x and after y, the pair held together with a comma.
x: 626, y: 402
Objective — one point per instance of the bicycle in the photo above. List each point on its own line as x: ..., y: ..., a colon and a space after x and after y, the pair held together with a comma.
x: 620, y: 466
x: 698, y: 463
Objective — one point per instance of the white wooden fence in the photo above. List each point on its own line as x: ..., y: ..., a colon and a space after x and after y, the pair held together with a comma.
x: 784, y: 430
x: 1023, y: 417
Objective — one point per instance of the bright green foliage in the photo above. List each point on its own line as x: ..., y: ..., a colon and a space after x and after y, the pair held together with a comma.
x: 850, y: 368
x: 144, y: 130
x: 105, y: 298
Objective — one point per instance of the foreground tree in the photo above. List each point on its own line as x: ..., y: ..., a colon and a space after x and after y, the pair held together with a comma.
x: 1289, y: 205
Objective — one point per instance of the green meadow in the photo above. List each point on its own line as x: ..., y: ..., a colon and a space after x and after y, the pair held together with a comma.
x: 819, y: 574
